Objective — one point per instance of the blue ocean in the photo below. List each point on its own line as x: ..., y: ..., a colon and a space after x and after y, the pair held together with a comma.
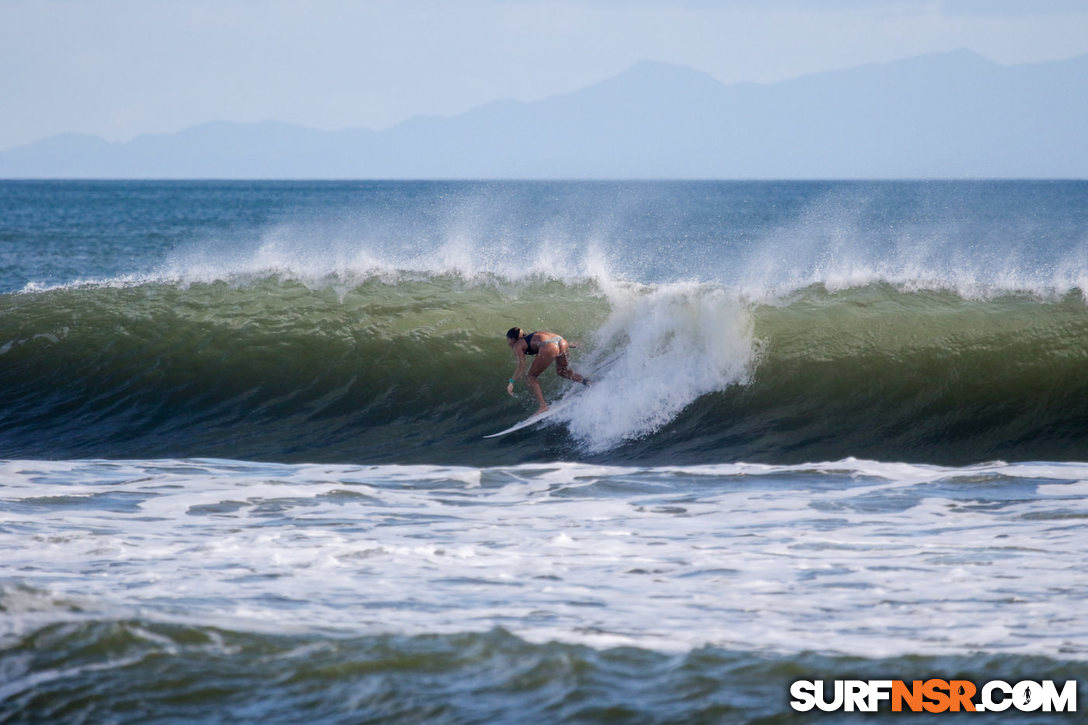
x: 838, y: 430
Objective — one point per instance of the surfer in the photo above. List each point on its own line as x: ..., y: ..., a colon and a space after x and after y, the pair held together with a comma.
x: 546, y: 346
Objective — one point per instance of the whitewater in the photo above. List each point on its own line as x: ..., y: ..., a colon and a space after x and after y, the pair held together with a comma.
x: 836, y: 429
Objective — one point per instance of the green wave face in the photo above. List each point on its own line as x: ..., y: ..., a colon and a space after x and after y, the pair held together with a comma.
x: 412, y: 369
x: 270, y: 368
x: 926, y: 375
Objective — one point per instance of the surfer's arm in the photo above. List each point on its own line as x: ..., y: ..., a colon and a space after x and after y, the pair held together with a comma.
x: 518, y: 371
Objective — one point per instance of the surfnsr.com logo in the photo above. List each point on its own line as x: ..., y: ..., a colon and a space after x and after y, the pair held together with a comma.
x: 933, y: 696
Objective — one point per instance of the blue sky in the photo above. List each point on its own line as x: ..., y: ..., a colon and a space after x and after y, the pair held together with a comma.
x: 118, y: 68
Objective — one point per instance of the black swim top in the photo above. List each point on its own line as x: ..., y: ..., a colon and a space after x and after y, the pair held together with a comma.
x: 529, y: 344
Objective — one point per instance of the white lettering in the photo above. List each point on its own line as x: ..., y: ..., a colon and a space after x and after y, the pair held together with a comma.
x: 856, y: 696
x: 804, y: 695
x: 1064, y: 701
x: 1027, y: 696
x: 879, y: 690
x: 835, y: 704
x: 987, y: 696
x: 995, y: 695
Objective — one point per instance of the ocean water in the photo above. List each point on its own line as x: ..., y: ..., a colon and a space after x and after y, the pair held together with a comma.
x: 837, y: 431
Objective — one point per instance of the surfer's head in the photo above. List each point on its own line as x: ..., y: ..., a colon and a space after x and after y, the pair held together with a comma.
x: 513, y: 335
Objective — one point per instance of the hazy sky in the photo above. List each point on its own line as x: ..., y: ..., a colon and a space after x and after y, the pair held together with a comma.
x: 118, y: 68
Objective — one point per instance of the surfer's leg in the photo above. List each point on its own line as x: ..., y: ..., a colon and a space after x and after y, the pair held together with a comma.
x: 543, y: 360
x: 562, y: 367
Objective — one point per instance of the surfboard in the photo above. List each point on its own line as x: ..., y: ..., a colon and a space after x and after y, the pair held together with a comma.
x: 533, y: 419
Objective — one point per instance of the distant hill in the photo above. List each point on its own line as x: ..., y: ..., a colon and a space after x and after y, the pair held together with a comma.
x: 950, y: 115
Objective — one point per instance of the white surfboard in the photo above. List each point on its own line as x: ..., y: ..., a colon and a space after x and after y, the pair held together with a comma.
x: 533, y: 419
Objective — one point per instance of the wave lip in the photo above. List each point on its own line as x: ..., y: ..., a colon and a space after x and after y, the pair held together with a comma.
x: 665, y: 347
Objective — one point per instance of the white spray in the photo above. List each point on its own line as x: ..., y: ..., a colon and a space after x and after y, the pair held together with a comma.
x: 666, y: 346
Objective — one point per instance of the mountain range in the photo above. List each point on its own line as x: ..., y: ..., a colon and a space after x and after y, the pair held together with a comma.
x: 948, y: 115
